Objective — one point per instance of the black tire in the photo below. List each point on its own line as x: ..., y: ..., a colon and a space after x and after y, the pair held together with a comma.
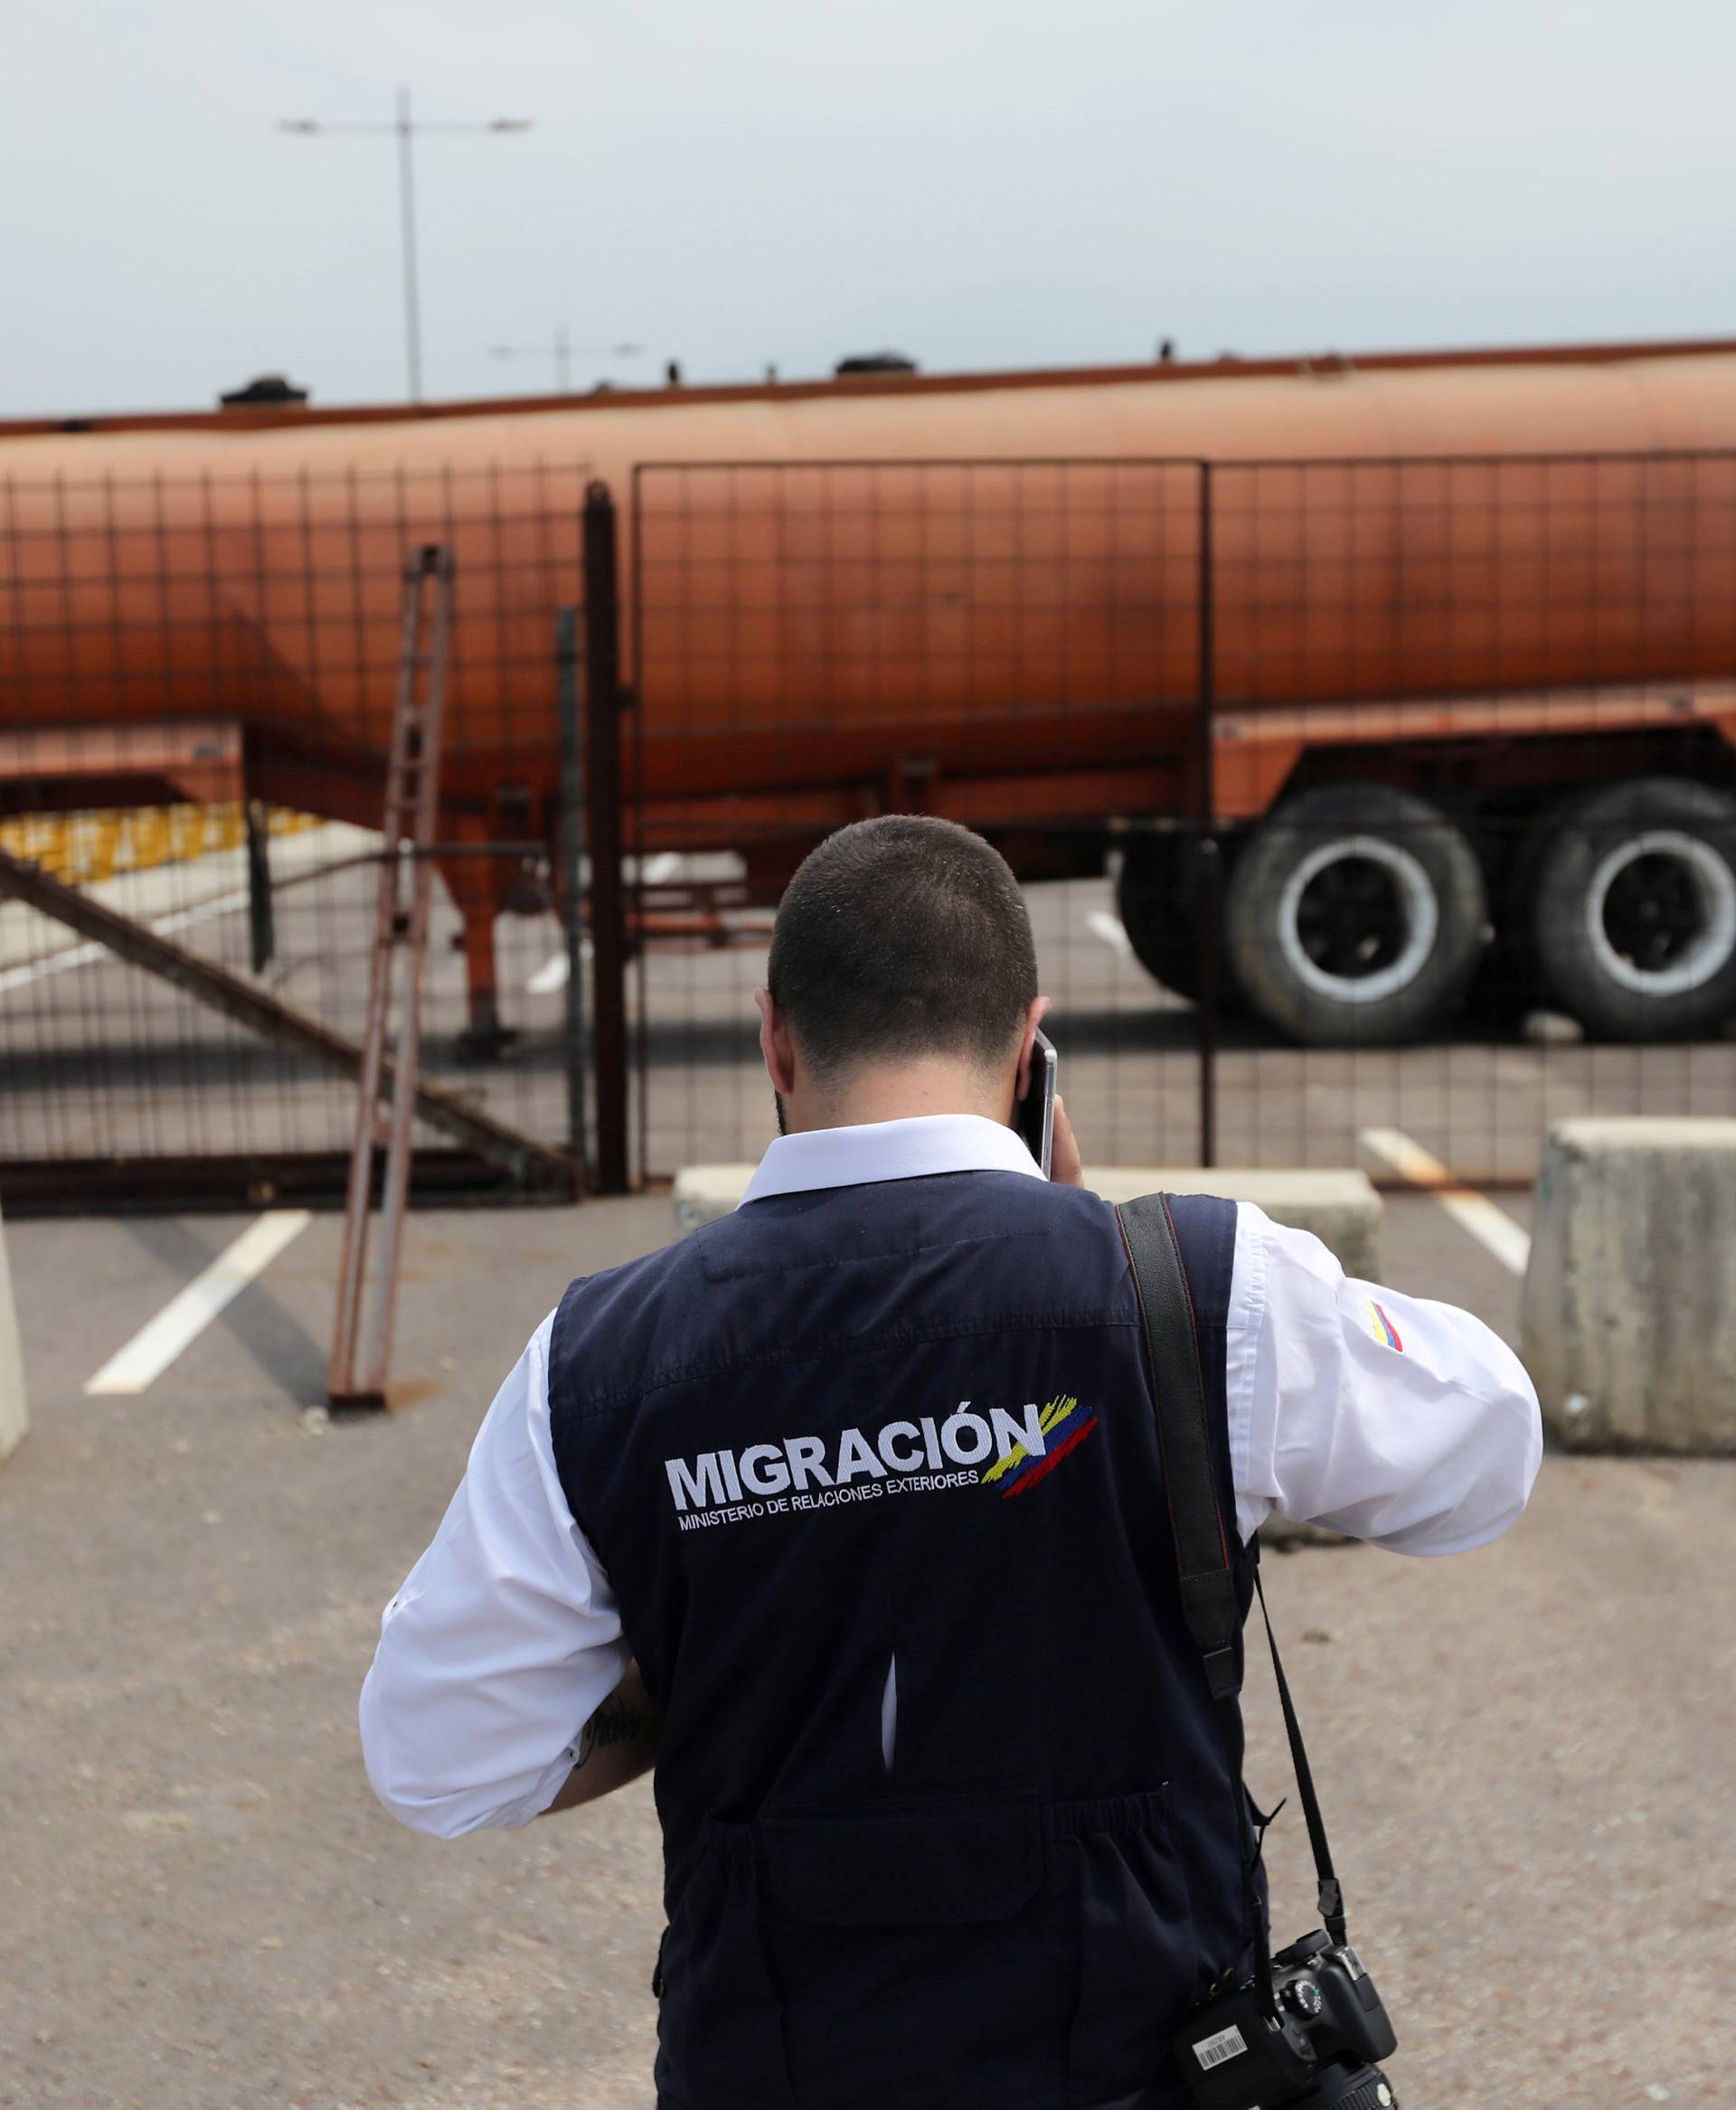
x: 1633, y: 910
x: 1355, y: 916
x: 1158, y: 899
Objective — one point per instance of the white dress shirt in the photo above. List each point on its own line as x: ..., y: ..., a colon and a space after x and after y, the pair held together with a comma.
x: 1401, y: 1421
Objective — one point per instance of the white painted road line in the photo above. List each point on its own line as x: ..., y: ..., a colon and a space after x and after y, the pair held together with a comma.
x: 81, y: 955
x: 1110, y: 929
x: 189, y: 1312
x: 1492, y: 1226
x: 552, y: 973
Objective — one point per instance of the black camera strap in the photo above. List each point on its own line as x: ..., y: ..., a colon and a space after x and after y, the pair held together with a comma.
x: 1331, y: 1891
x: 1208, y: 1583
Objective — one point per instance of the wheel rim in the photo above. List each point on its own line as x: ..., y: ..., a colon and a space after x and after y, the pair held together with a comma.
x: 1357, y: 919
x: 1660, y: 911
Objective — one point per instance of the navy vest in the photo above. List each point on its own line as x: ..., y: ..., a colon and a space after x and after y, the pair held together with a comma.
x: 946, y: 1816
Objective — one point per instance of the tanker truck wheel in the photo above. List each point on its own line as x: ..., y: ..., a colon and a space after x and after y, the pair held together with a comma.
x: 1634, y: 909
x: 1356, y: 916
x: 1158, y: 898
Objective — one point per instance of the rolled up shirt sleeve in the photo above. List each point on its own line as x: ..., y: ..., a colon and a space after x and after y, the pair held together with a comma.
x: 503, y: 1642
x: 1391, y: 1417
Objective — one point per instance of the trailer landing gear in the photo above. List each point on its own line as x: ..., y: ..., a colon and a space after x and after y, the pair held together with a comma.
x: 471, y: 886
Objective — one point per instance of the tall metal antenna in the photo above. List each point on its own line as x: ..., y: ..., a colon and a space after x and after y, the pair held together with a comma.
x: 405, y: 127
x: 561, y: 352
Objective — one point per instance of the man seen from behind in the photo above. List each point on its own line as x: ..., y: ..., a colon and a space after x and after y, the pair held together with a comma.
x: 847, y: 1512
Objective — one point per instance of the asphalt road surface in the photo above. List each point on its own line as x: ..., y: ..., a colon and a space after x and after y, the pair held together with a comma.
x: 1524, y: 1753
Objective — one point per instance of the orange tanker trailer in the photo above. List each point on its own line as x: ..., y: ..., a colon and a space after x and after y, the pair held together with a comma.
x: 1361, y: 613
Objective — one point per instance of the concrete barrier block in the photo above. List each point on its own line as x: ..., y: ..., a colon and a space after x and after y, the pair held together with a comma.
x: 704, y: 1192
x: 12, y: 1420
x: 1341, y: 1208
x: 1628, y: 1324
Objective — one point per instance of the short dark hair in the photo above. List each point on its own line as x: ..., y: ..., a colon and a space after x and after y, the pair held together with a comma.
x: 899, y: 937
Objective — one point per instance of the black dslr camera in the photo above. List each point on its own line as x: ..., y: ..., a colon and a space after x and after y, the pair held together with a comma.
x: 1319, y: 2050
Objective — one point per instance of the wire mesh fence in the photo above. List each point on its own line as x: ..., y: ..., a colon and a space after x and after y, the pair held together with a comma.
x: 114, y: 1083
x: 1522, y: 580
x: 274, y: 601
x: 1467, y: 1099
x: 1493, y: 701
x: 1479, y: 1034
x: 178, y: 657
x: 1368, y: 812
x: 1014, y: 644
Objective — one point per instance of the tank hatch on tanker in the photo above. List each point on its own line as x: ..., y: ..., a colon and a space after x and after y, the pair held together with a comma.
x: 875, y: 362
x: 264, y: 388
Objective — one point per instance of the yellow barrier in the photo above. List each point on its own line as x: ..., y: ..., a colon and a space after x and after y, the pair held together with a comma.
x: 82, y: 848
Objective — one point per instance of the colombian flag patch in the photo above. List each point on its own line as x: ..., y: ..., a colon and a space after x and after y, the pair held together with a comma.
x: 1021, y: 1469
x: 1384, y: 1330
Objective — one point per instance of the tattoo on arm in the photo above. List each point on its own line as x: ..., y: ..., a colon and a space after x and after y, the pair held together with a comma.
x: 617, y: 1744
x: 616, y: 1721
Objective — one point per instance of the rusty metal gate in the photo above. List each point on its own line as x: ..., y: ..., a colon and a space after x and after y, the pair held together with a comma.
x: 199, y: 680
x: 1113, y: 668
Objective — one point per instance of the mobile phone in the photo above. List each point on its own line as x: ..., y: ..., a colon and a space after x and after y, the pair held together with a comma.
x: 1035, y: 1116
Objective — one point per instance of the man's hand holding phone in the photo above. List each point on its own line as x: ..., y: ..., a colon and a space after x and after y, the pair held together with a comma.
x: 1064, y: 1164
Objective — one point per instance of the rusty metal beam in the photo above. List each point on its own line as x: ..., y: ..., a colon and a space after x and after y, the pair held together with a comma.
x: 526, y: 1158
x: 198, y: 760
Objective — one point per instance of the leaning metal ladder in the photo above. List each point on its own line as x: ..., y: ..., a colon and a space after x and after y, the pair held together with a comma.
x: 386, y: 1101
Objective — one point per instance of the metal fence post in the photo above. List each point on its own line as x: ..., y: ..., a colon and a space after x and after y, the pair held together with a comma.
x: 603, y: 795
x: 1211, y: 906
x: 1211, y: 874
x: 573, y: 847
x: 260, y: 923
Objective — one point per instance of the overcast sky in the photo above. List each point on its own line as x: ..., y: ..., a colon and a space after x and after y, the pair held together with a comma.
x: 980, y: 183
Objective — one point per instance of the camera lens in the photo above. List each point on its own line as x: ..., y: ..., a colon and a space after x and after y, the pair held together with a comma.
x: 1341, y: 2086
